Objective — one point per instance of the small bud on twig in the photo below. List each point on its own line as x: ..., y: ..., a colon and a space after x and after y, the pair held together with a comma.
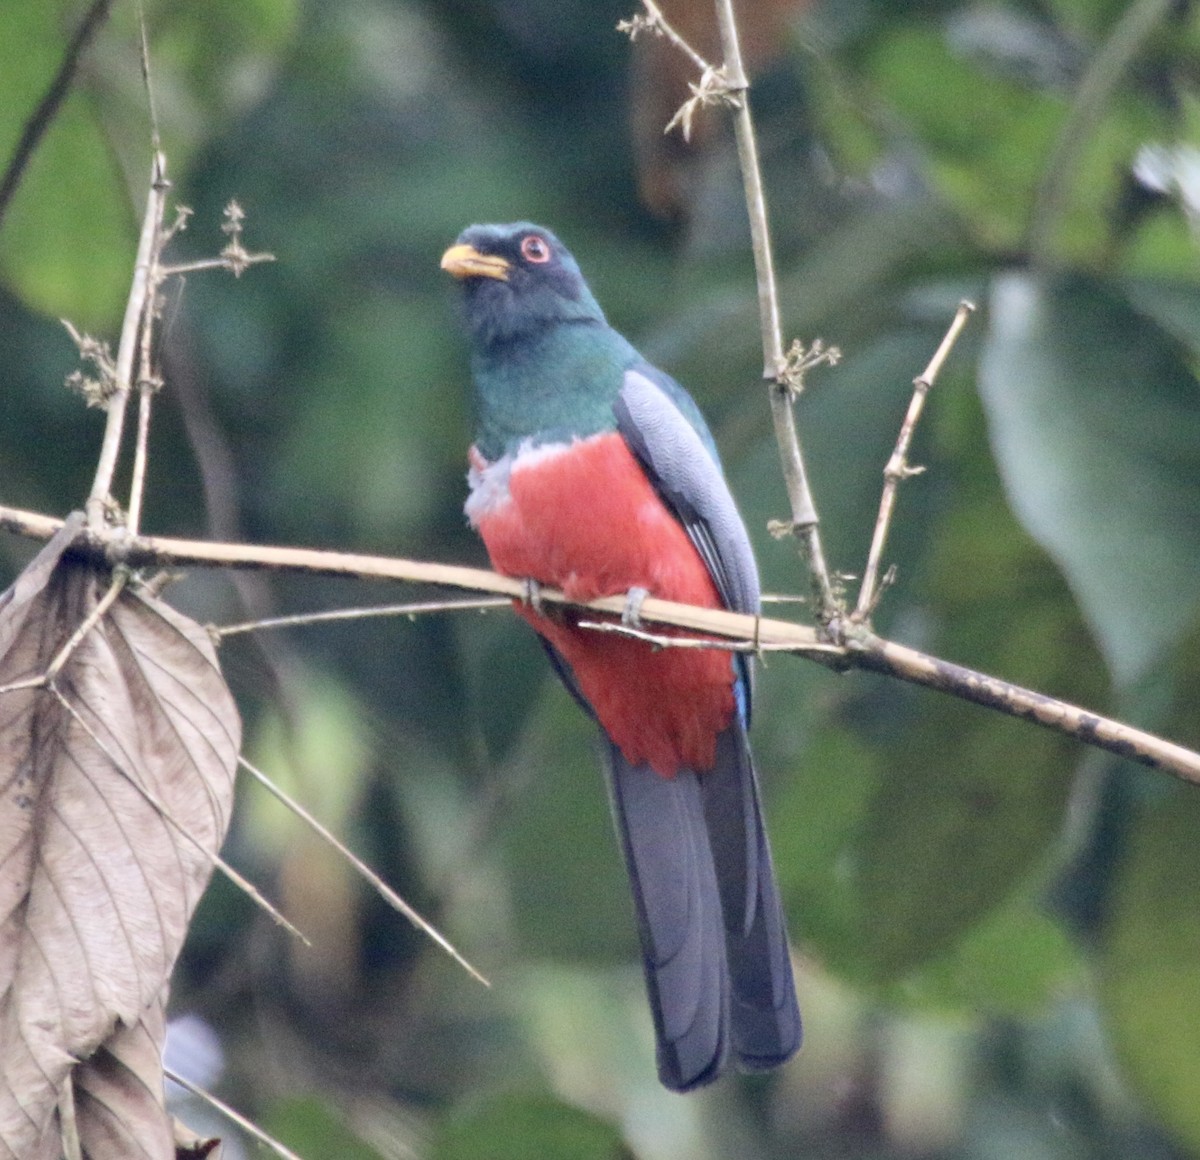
x: 799, y: 360
x: 95, y: 391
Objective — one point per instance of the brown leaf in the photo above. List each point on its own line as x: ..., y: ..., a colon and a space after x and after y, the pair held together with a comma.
x: 190, y: 1146
x: 116, y: 786
x: 119, y: 1093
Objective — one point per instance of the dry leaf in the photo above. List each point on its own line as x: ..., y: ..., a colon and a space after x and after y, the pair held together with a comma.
x: 190, y: 1146
x: 115, y: 790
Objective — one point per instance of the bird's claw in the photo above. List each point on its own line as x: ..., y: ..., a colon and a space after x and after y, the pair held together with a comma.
x: 532, y: 597
x: 631, y: 615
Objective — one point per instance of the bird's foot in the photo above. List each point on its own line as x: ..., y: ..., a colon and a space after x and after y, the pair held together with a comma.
x: 631, y: 615
x: 532, y: 596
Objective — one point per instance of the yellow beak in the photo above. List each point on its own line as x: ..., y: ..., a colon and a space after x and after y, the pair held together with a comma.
x: 468, y: 262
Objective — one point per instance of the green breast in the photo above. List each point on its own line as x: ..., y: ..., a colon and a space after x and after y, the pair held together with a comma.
x: 558, y: 384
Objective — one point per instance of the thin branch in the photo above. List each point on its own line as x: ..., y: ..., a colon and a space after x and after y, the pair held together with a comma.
x: 147, y: 389
x: 147, y: 382
x: 756, y: 202
x: 140, y: 293
x: 862, y: 650
x: 43, y: 116
x: 656, y: 23
x: 419, y: 608
x: 64, y: 654
x: 220, y: 263
x: 68, y: 1122
x: 382, y: 888
x: 754, y: 644
x: 804, y: 520
x: 728, y: 84
x: 147, y: 78
x: 898, y: 468
x: 233, y: 1116
x: 918, y: 668
x: 713, y: 87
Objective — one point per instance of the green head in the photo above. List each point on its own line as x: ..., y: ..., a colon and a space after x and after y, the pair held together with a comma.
x: 546, y: 364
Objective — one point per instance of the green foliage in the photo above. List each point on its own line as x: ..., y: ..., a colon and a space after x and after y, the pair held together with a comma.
x: 67, y: 237
x: 71, y: 228
x: 1109, y: 483
x: 1150, y: 961
x: 515, y: 1126
x: 306, y: 1125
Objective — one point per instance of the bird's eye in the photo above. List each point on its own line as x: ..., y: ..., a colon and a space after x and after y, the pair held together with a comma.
x: 535, y: 249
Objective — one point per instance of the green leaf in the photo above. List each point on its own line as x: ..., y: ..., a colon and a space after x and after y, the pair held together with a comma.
x: 1093, y: 416
x: 814, y: 820
x: 521, y: 1126
x: 1150, y: 962
x: 1013, y: 962
x: 988, y: 164
x: 310, y: 1127
x: 68, y: 239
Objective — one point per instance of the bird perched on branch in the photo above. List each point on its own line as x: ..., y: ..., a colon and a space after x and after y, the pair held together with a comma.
x: 594, y: 472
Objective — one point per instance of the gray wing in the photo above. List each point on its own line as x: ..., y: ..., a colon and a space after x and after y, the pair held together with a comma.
x: 663, y: 429
x: 682, y: 465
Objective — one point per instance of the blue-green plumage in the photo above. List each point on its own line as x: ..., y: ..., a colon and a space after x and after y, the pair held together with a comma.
x: 594, y: 471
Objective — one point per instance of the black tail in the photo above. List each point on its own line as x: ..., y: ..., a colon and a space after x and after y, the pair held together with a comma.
x: 713, y: 940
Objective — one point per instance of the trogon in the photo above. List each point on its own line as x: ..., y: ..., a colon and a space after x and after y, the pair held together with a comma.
x: 593, y: 472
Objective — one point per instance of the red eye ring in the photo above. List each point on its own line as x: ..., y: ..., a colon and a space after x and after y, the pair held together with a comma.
x: 535, y: 249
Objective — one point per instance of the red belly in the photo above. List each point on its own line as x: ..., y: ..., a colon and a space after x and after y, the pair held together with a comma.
x: 586, y: 520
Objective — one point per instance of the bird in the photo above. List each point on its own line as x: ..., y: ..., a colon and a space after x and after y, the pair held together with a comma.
x: 594, y: 472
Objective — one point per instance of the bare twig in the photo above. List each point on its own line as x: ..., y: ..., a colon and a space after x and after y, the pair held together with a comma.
x: 419, y: 608
x: 918, y: 668
x: 115, y: 588
x: 43, y: 116
x: 233, y: 1116
x: 662, y: 640
x: 235, y: 265
x: 727, y: 84
x: 656, y: 23
x: 898, y: 468
x: 804, y: 520
x: 862, y: 649
x: 137, y: 341
x: 147, y: 388
x: 384, y: 890
x: 148, y: 383
x: 713, y: 87
x: 69, y: 1123
x: 140, y: 294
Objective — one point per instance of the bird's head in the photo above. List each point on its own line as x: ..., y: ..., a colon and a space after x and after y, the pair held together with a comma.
x: 517, y: 279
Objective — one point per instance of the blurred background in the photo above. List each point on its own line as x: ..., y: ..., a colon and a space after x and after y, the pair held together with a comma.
x: 997, y: 931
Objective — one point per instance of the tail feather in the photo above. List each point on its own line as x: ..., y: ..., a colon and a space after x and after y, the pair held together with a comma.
x: 714, y: 946
x: 765, y: 1016
x: 661, y: 825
